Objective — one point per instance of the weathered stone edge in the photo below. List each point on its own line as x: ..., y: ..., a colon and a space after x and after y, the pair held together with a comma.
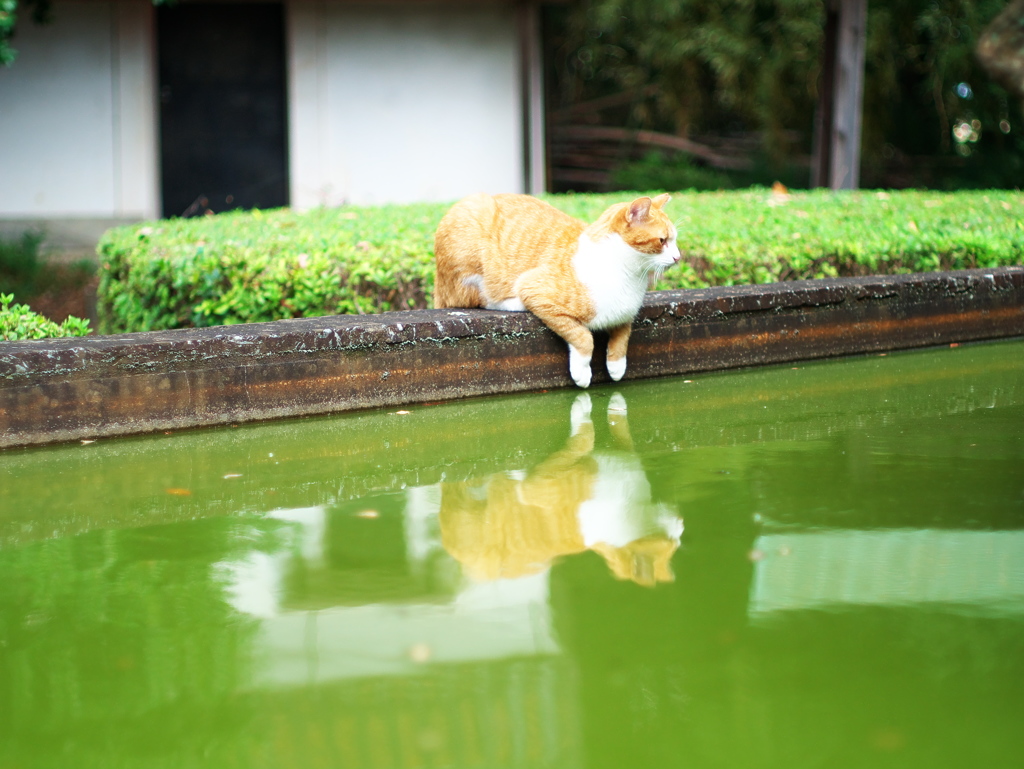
x: 52, y: 390
x: 127, y: 354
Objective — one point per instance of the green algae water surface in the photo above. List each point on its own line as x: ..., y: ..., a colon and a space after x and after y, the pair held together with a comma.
x: 816, y: 565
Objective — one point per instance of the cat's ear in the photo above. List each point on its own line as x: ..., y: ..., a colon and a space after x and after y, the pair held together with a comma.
x: 638, y: 210
x: 661, y: 200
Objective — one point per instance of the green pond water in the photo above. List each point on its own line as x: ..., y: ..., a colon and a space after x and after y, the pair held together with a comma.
x: 812, y: 565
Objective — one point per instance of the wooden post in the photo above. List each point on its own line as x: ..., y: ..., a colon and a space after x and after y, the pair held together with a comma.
x: 836, y: 162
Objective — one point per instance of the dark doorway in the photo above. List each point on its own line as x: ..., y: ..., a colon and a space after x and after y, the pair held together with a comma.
x: 223, y: 119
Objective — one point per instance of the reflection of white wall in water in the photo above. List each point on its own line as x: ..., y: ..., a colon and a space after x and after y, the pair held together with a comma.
x: 967, y: 570
x: 422, y: 537
x: 494, y: 620
x: 254, y: 585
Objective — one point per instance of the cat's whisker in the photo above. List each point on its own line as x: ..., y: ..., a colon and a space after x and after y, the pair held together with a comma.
x: 652, y: 269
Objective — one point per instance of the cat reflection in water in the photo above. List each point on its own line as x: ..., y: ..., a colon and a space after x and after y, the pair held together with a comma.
x: 515, y: 252
x: 514, y: 524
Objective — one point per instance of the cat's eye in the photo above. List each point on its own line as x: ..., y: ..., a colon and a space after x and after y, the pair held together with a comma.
x: 664, y: 241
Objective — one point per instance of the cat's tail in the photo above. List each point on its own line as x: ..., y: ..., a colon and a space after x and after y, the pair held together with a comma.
x: 451, y: 289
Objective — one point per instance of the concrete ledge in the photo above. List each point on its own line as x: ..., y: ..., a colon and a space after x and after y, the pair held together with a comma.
x: 66, y: 389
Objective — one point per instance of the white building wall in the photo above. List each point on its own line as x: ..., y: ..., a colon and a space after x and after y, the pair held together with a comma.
x: 388, y: 102
x: 78, y: 136
x: 398, y: 102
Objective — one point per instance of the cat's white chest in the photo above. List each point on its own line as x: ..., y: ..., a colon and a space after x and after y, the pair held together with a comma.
x: 613, y: 275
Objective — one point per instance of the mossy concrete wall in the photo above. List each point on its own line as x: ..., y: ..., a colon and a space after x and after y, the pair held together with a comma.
x: 66, y: 389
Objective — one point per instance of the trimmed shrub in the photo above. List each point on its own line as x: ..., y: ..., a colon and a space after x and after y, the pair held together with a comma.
x: 18, y: 322
x: 267, y: 265
x: 242, y: 267
x: 669, y: 171
x: 764, y: 237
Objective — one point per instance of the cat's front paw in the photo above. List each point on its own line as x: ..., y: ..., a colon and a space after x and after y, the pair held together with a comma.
x: 617, y: 368
x: 579, y: 367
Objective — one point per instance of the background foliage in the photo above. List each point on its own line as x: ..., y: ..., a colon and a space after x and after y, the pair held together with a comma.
x: 716, y: 68
x: 258, y: 266
x: 20, y: 265
x: 37, y: 10
x: 43, y: 287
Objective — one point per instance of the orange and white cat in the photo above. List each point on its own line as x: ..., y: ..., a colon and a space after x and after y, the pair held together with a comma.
x: 515, y: 252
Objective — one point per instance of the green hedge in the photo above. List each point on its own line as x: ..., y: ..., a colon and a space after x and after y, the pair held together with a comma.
x: 19, y: 322
x: 267, y: 265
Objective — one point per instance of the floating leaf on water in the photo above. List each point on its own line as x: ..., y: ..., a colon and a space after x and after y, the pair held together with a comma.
x: 419, y: 652
x: 888, y: 739
x: 430, y: 740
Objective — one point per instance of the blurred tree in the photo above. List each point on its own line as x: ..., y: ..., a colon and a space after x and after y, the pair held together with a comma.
x: 706, y: 69
x: 1001, y: 48
x: 928, y: 96
x: 714, y: 64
